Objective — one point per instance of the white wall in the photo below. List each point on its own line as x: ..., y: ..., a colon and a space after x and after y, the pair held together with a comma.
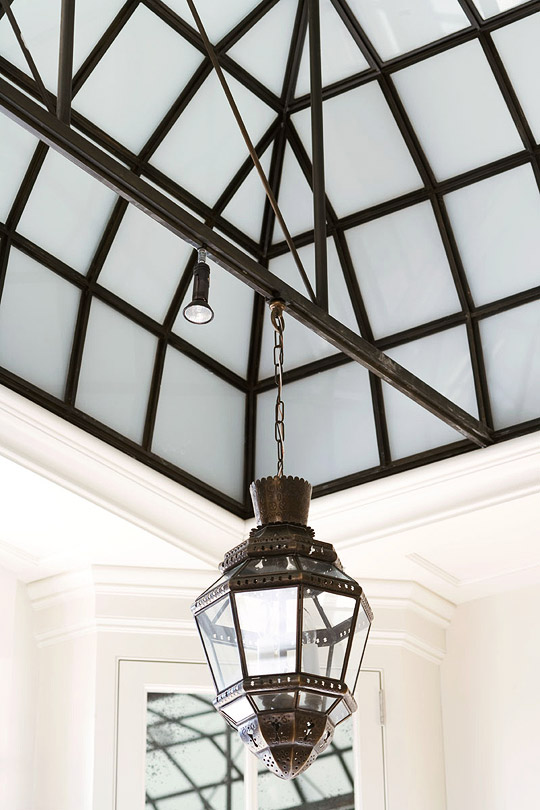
x: 491, y: 703
x: 18, y: 681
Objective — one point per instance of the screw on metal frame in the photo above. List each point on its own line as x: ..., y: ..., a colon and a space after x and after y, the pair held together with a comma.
x: 278, y: 322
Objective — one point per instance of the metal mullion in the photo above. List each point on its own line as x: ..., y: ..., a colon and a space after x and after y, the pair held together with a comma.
x: 43, y: 92
x: 153, y: 396
x: 103, y: 44
x: 169, y: 120
x: 294, y: 59
x: 193, y: 37
x: 65, y: 61
x: 510, y: 302
x: 317, y: 146
x: 245, y: 25
x: 81, y: 326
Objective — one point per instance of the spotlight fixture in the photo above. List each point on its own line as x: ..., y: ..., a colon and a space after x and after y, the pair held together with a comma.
x: 198, y: 310
x: 284, y: 629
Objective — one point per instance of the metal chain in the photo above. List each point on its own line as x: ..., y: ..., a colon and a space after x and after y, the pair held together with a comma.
x: 278, y: 322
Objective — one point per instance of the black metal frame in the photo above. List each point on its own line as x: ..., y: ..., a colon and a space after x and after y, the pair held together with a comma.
x: 282, y: 132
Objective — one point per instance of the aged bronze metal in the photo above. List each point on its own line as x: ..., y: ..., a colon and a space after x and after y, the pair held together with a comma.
x: 284, y: 693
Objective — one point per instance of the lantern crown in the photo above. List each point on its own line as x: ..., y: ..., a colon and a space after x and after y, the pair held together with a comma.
x: 284, y: 631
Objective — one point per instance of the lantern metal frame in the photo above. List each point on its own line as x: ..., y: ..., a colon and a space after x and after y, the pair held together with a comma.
x: 287, y: 735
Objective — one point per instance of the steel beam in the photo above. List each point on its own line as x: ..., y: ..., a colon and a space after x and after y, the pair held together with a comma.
x: 93, y: 160
x: 65, y: 61
x: 317, y: 146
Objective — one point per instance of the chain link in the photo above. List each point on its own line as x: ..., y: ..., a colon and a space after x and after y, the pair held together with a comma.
x: 278, y: 322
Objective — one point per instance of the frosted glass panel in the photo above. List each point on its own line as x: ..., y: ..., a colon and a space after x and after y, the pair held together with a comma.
x: 497, y: 227
x: 92, y: 18
x: 402, y: 270
x: 145, y: 263
x: 518, y: 46
x: 227, y: 337
x: 443, y: 361
x: 116, y: 370
x: 301, y: 344
x: 367, y: 160
x: 67, y: 212
x: 16, y: 149
x: 217, y: 18
x: 330, y: 427
x: 341, y: 56
x: 457, y: 110
x: 39, y: 23
x: 200, y: 424
x: 398, y: 26
x: 511, y: 344
x: 37, y: 318
x: 246, y: 208
x: 488, y: 8
x: 205, y: 148
x: 263, y: 51
x: 138, y: 79
x: 295, y: 198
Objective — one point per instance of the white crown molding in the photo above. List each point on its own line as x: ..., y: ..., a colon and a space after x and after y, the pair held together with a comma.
x: 435, y: 492
x: 121, y: 582
x: 62, y: 453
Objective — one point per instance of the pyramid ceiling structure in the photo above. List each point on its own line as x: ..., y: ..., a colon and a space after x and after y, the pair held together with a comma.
x: 431, y: 127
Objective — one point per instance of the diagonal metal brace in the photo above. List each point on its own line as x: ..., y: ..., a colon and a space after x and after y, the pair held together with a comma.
x: 109, y: 171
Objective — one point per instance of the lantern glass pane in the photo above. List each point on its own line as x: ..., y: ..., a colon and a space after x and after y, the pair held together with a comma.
x: 269, y: 565
x: 238, y: 710
x: 323, y: 569
x: 315, y: 703
x: 268, y: 621
x: 339, y: 712
x: 220, y: 642
x: 274, y: 702
x: 327, y: 623
x: 357, y: 650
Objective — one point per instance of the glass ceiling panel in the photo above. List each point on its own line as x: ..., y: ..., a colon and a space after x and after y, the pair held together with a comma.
x: 92, y: 18
x: 217, y: 18
x: 511, y: 344
x: 40, y: 24
x: 16, y: 149
x: 334, y: 409
x: 133, y: 87
x: 398, y: 26
x: 301, y: 344
x: 497, y: 227
x: 263, y: 51
x: 443, y: 361
x: 116, y: 371
x: 226, y: 338
x: 341, y: 56
x: 200, y: 424
x: 457, y: 110
x: 205, y: 148
x: 67, y: 211
x: 518, y: 46
x: 367, y: 160
x: 37, y: 319
x: 145, y: 263
x: 246, y: 208
x: 402, y: 270
x: 295, y: 198
x: 488, y: 8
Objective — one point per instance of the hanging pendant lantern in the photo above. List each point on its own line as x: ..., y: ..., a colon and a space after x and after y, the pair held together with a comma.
x: 284, y: 629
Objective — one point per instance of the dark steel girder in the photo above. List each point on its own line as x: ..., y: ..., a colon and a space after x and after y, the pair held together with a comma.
x: 93, y: 160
